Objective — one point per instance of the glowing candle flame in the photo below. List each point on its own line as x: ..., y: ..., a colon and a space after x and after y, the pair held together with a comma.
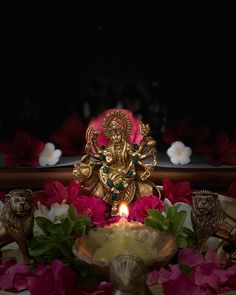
x: 123, y: 210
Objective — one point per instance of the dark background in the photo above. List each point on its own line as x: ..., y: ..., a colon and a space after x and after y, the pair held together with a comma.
x: 162, y: 60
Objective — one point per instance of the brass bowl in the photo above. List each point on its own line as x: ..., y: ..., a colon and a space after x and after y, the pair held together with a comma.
x: 164, y: 246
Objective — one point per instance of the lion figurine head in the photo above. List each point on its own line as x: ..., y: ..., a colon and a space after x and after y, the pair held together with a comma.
x: 20, y: 201
x: 207, y: 214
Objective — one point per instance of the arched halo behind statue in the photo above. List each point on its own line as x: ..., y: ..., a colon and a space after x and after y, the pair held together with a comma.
x: 117, y: 144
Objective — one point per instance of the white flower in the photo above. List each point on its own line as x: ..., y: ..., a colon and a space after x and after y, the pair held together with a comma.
x: 179, y: 153
x: 49, y: 155
x: 56, y: 213
x: 188, y: 209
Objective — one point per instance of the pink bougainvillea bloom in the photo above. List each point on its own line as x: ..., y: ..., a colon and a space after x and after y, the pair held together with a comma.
x: 192, y: 135
x: 93, y: 207
x: 22, y: 150
x: 70, y: 138
x: 179, y: 192
x: 190, y: 257
x: 219, y: 152
x: 138, y: 210
x: 55, y: 278
x: 5, y: 264
x: 135, y: 135
x: 55, y: 192
x: 15, y: 277
x: 206, y: 276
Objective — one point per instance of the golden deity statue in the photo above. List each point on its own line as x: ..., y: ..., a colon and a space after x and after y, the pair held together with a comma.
x: 110, y: 171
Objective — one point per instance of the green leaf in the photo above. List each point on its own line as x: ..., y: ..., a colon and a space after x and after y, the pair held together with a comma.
x: 157, y: 216
x: 182, y: 243
x: 178, y: 221
x: 185, y: 269
x: 72, y: 212
x: 39, y: 245
x: 189, y: 232
x: 44, y: 223
x: 170, y: 227
x: 170, y: 213
x: 80, y: 225
x: 151, y: 221
x: 67, y: 225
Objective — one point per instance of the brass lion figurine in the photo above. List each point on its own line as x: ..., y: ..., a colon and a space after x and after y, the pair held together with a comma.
x: 17, y: 220
x: 210, y: 220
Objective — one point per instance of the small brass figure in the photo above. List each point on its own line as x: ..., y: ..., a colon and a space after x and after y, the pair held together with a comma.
x: 110, y: 172
x: 209, y: 219
x: 17, y: 220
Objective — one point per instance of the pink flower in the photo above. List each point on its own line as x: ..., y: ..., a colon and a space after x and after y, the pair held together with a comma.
x: 179, y: 192
x: 13, y: 276
x: 70, y: 138
x: 190, y: 257
x: 55, y: 192
x: 204, y: 276
x: 22, y: 150
x: 56, y: 278
x: 174, y: 281
x: 93, y: 207
x: 219, y: 152
x: 5, y: 264
x: 135, y: 135
x: 138, y: 210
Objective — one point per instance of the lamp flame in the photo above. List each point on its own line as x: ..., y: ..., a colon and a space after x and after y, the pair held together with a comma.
x: 123, y: 210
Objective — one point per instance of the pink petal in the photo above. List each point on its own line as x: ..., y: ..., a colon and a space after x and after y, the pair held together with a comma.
x: 158, y: 277
x: 190, y: 257
x: 204, y: 276
x: 55, y: 189
x: 183, y: 188
x: 168, y: 187
x: 41, y: 285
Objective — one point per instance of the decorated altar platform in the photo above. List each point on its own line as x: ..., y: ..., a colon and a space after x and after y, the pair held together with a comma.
x: 198, y: 173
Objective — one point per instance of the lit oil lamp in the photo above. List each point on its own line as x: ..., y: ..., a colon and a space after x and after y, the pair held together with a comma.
x: 125, y: 250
